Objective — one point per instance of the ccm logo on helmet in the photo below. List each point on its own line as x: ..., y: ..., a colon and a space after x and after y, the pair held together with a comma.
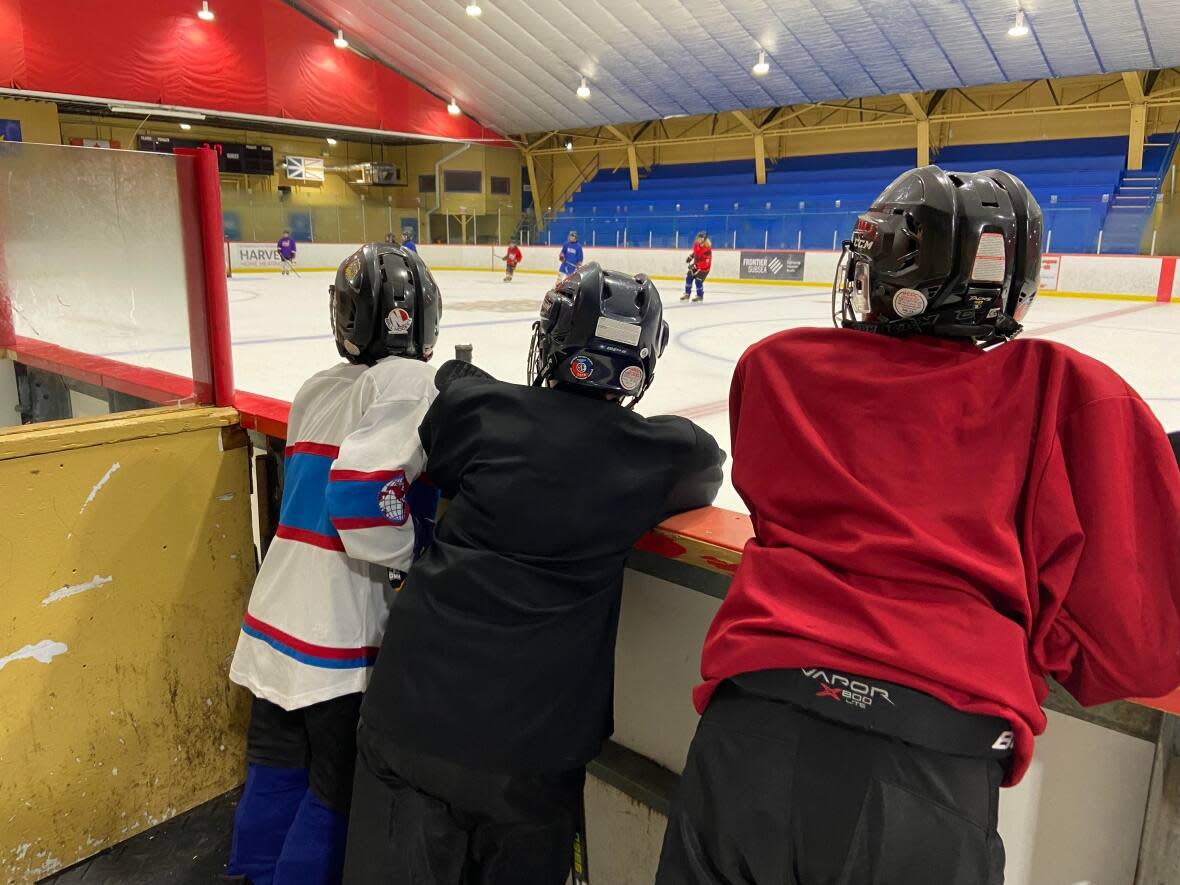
x: 851, y: 691
x: 864, y: 235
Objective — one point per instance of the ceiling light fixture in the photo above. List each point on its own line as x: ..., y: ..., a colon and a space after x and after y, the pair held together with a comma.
x: 473, y: 9
x: 1019, y: 28
x: 762, y: 67
x: 340, y: 42
x: 186, y: 126
x: 330, y: 140
x: 453, y: 108
x: 206, y: 14
x: 674, y: 116
x: 569, y: 145
x: 583, y: 90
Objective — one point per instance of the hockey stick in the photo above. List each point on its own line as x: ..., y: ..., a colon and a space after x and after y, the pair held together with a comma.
x: 580, y: 865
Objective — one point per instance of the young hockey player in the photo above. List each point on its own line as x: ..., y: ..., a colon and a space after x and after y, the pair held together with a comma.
x: 408, y: 240
x: 570, y: 256
x: 318, y: 609
x: 940, y: 526
x: 699, y: 263
x: 511, y: 258
x: 494, y: 686
x: 286, y: 247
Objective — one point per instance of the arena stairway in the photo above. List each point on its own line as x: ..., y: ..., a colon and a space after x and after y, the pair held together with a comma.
x: 1135, y: 198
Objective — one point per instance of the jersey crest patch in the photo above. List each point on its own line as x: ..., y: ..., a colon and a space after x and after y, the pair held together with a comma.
x: 392, y: 499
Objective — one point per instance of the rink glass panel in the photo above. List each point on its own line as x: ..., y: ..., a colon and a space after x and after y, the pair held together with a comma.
x: 101, y: 252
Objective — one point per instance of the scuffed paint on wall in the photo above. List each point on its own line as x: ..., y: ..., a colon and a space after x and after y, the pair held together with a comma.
x: 43, y: 652
x: 106, y: 477
x: 74, y: 589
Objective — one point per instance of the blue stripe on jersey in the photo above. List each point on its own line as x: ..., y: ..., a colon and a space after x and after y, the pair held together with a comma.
x: 351, y: 498
x: 305, y: 502
x: 311, y: 660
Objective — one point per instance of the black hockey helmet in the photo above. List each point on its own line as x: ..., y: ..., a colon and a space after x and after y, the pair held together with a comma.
x: 384, y: 303
x: 954, y: 254
x: 601, y: 330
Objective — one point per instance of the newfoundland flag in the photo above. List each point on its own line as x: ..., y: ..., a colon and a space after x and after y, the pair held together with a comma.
x: 304, y: 168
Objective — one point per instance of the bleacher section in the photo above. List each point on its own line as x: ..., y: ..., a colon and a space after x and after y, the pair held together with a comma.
x: 812, y: 202
x: 1136, y: 195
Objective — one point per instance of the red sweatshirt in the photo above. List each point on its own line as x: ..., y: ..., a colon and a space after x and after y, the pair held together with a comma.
x: 959, y: 521
x: 702, y: 256
x: 512, y: 257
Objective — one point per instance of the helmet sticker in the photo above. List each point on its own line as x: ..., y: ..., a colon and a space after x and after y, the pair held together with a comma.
x: 864, y: 235
x: 631, y: 378
x: 643, y: 353
x: 399, y: 320
x: 391, y: 500
x: 581, y: 367
x: 616, y: 330
x: 989, y: 259
x: 909, y: 302
x: 352, y: 270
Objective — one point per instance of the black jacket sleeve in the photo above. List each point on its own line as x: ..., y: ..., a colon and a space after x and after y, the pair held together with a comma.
x: 442, y: 441
x: 700, y: 475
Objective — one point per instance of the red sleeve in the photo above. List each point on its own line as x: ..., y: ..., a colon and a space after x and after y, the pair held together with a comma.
x: 1105, y: 529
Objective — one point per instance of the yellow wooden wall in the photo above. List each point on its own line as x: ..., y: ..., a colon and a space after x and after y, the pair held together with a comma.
x: 38, y: 119
x: 126, y: 557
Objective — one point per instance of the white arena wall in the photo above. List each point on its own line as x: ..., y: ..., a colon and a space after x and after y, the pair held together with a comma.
x: 1119, y: 277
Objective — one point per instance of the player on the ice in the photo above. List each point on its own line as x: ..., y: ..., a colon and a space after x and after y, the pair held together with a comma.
x: 318, y: 609
x: 408, y: 240
x: 570, y: 256
x: 286, y: 247
x: 494, y: 686
x: 511, y: 258
x: 939, y: 528
x: 698, y: 263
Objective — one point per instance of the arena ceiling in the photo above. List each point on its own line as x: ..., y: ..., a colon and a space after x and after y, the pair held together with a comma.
x: 515, y: 67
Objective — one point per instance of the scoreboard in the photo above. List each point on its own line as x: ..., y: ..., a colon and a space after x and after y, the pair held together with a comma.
x: 247, y: 159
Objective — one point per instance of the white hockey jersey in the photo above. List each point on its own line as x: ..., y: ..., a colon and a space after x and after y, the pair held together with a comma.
x: 318, y: 609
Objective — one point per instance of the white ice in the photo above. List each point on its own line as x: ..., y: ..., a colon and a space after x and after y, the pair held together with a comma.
x: 281, y: 335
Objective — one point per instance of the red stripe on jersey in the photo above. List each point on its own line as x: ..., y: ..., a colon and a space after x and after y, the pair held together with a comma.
x: 361, y: 475
x: 344, y: 523
x: 308, y: 648
x: 312, y: 448
x: 315, y: 539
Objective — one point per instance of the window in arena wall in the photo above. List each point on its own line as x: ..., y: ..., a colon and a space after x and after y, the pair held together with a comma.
x: 462, y: 181
x: 501, y: 185
x: 425, y: 184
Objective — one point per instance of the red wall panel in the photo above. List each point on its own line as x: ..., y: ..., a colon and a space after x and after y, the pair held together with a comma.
x: 12, y: 43
x: 257, y: 57
x: 308, y: 78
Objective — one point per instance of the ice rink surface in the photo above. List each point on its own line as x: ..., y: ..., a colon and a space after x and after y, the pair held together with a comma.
x: 281, y: 336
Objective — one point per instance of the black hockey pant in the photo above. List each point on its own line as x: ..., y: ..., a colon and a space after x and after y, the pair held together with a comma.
x: 774, y: 794
x: 421, y: 820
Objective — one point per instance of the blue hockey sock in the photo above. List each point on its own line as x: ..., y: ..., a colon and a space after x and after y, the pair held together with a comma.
x: 265, y: 812
x: 314, y: 851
